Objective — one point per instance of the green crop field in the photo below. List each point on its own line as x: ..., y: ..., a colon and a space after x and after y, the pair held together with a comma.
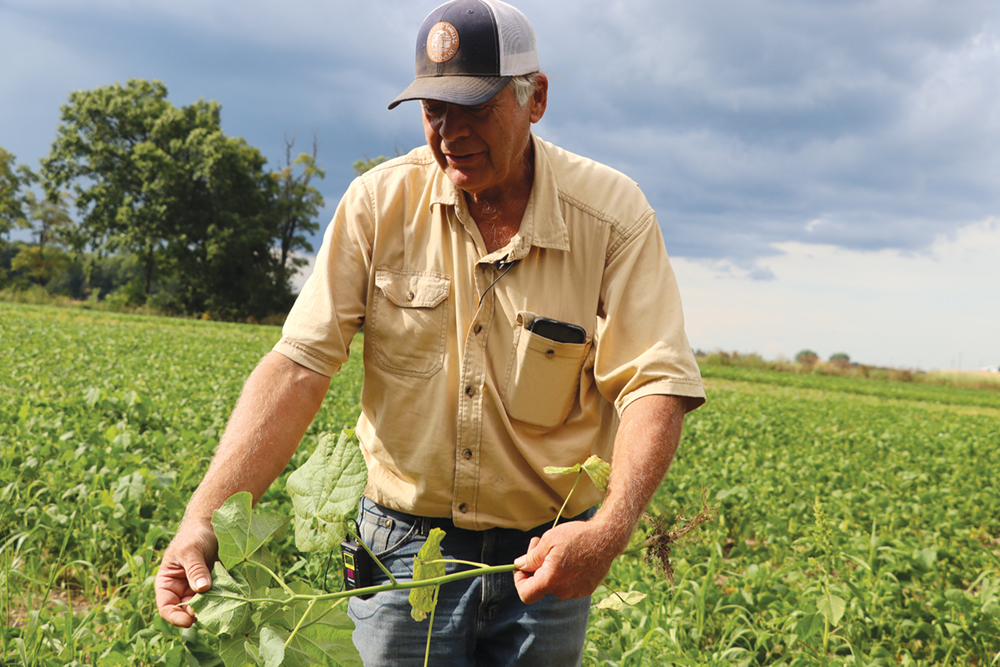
x: 859, y: 520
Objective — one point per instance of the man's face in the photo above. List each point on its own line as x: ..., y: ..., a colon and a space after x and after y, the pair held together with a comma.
x: 483, y: 149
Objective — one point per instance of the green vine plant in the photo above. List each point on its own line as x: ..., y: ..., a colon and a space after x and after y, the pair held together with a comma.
x: 262, y: 620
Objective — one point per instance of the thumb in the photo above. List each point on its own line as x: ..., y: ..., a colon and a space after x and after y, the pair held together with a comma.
x: 532, y: 560
x: 198, y: 576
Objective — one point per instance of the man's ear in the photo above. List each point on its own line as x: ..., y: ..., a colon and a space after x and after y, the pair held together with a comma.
x: 540, y: 98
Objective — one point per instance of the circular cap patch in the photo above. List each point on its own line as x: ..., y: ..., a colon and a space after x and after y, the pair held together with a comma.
x: 442, y: 42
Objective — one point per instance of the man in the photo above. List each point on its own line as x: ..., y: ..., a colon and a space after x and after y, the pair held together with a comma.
x: 519, y: 312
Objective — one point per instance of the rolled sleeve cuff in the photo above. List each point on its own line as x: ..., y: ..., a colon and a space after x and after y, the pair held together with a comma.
x: 307, y: 357
x: 692, y: 390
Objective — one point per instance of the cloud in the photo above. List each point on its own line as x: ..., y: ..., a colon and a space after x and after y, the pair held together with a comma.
x: 934, y: 309
x: 879, y: 118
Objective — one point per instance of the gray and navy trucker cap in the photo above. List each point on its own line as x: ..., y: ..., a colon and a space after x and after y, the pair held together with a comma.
x: 468, y: 50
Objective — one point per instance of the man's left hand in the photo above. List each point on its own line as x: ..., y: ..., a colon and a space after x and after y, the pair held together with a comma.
x: 568, y: 561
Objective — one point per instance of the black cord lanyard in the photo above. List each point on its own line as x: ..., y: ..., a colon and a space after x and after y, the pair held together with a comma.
x: 502, y: 266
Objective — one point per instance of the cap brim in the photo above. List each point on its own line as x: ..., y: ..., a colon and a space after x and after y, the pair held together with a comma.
x: 464, y: 90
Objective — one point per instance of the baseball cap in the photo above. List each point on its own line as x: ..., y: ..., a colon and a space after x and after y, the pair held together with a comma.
x: 468, y: 50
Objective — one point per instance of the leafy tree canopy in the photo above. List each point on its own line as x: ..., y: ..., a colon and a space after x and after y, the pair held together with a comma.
x: 166, y: 184
x: 13, y: 202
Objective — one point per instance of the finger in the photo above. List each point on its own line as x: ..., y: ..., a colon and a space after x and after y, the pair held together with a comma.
x: 178, y: 615
x: 531, y: 587
x: 532, y: 560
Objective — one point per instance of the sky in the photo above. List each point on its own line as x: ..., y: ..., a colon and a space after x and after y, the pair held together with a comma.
x: 826, y: 174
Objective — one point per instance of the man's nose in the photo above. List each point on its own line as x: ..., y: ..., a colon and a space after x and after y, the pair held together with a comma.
x: 454, y: 123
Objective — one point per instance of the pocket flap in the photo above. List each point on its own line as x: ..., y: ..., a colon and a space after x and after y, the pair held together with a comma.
x: 412, y: 289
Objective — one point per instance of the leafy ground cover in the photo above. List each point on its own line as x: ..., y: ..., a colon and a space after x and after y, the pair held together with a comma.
x: 858, y: 522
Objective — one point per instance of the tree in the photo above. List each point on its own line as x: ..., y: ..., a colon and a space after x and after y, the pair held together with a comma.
x: 168, y: 185
x: 13, y: 202
x: 840, y: 360
x: 296, y: 207
x: 361, y: 166
x: 807, y: 358
x: 44, y: 260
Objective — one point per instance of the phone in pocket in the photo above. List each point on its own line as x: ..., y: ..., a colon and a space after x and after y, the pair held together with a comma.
x: 561, y: 332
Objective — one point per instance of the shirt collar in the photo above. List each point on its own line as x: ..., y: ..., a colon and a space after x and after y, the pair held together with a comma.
x: 542, y: 225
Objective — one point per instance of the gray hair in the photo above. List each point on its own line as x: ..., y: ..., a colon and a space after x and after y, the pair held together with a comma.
x: 523, y: 86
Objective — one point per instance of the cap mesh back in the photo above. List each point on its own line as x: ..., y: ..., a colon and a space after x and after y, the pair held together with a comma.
x: 517, y: 52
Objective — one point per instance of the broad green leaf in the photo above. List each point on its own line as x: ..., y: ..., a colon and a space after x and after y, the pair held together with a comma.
x: 91, y: 396
x: 130, y: 488
x: 832, y: 607
x: 325, y: 635
x: 809, y: 626
x: 225, y: 608
x: 618, y: 601
x: 241, y: 532
x: 325, y: 492
x: 238, y: 651
x: 324, y: 632
x: 422, y: 599
x: 599, y: 471
x: 272, y: 647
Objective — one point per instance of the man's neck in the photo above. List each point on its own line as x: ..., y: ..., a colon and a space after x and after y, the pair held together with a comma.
x: 498, y: 213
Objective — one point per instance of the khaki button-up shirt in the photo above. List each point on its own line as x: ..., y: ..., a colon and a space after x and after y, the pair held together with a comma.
x: 463, y: 406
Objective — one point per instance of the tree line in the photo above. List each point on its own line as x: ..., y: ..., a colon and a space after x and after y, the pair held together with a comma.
x: 150, y: 204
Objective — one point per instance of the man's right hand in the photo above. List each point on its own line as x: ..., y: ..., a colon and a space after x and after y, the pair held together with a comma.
x: 184, y: 571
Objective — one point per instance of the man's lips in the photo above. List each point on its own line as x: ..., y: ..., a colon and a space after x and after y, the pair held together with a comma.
x: 461, y: 160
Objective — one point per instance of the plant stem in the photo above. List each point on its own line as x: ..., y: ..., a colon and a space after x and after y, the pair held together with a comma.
x: 399, y: 585
x: 364, y: 546
x: 568, y: 496
x: 276, y: 578
x: 298, y: 625
x: 430, y: 625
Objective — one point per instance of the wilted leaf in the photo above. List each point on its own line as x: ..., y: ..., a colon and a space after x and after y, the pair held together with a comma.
x: 241, y: 532
x: 618, y: 601
x: 556, y: 470
x: 422, y: 599
x: 599, y: 471
x: 325, y: 492
x: 225, y: 608
x: 596, y: 468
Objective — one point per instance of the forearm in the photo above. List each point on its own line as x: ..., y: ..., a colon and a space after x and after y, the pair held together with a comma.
x: 644, y: 448
x: 277, y: 404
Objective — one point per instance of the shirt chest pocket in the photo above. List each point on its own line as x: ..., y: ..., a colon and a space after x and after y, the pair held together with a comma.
x: 543, y: 376
x: 408, y: 321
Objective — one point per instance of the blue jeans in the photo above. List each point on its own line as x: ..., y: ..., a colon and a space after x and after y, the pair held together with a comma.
x: 478, y: 621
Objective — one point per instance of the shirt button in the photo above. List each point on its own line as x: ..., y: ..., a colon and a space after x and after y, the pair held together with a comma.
x: 463, y: 508
x: 467, y: 454
x: 470, y: 391
x: 410, y: 296
x: 479, y: 327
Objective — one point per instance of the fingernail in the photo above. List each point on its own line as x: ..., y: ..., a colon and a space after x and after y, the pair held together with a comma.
x: 520, y: 562
x: 202, y: 584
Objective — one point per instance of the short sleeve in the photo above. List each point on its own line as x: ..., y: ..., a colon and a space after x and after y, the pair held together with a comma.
x: 641, y: 346
x: 330, y: 309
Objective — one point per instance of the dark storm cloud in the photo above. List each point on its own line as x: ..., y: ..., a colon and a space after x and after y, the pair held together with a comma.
x: 867, y: 125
